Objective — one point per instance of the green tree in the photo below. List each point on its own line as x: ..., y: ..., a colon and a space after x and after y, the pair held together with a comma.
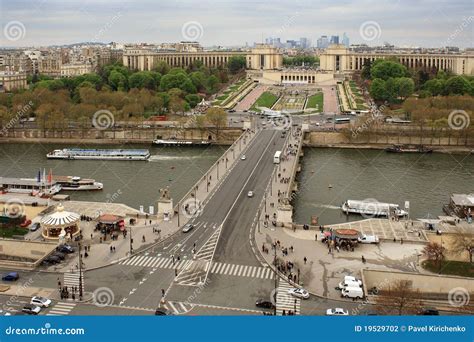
x: 434, y: 86
x: 386, y: 69
x: 117, y: 80
x: 378, y: 90
x: 162, y: 67
x: 192, y: 99
x: 236, y: 64
x: 212, y: 84
x: 406, y: 87
x: 457, y: 85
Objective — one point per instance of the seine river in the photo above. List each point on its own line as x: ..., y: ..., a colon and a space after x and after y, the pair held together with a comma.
x: 425, y: 180
x: 133, y: 183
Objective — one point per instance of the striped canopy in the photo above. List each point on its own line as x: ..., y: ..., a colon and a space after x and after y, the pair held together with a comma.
x: 60, y: 218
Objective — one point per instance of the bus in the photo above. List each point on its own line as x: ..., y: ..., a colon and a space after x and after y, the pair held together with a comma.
x: 276, y: 157
x: 342, y: 120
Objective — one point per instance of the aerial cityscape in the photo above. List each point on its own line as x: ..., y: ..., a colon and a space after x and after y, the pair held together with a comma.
x: 268, y: 159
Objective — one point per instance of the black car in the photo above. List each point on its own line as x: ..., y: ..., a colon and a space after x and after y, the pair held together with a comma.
x: 163, y: 312
x: 60, y: 255
x: 429, y: 312
x: 35, y: 226
x: 52, y: 260
x: 65, y: 249
x: 266, y: 304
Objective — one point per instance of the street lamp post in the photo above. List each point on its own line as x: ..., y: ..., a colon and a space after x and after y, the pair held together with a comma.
x: 276, y: 278
x: 131, y: 241
x: 217, y: 169
x: 80, y: 271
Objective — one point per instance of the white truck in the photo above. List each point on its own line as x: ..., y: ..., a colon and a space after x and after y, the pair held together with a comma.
x: 368, y: 239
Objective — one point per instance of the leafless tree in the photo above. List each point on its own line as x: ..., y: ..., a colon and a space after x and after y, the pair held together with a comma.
x: 434, y: 252
x: 398, y: 298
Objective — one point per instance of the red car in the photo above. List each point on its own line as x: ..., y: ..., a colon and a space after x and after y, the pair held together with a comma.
x: 25, y: 223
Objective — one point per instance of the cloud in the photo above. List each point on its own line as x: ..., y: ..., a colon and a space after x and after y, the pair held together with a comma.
x: 234, y: 22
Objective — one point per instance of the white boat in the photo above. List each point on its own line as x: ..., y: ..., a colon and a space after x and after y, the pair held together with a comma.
x: 74, y: 183
x: 372, y: 208
x: 99, y: 154
x: 176, y: 142
x: 29, y: 186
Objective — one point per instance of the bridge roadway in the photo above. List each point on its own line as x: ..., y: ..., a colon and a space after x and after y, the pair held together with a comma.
x: 220, y: 241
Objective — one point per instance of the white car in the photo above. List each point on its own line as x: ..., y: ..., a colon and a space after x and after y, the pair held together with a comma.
x: 40, y: 301
x: 243, y: 157
x: 250, y: 194
x: 337, y: 312
x: 352, y: 279
x: 300, y: 293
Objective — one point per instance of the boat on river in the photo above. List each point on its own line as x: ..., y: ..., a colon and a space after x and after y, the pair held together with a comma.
x: 99, y: 154
x: 180, y: 142
x: 74, y: 183
x: 372, y: 208
x: 408, y: 149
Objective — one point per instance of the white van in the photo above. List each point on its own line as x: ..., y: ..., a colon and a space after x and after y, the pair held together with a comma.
x: 345, y: 284
x: 368, y: 239
x: 352, y: 292
x: 353, y: 279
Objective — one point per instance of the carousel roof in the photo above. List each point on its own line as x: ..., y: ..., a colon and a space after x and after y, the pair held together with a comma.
x: 60, y: 218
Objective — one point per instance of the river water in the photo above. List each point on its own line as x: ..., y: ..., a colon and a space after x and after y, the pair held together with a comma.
x: 426, y: 181
x: 133, y: 183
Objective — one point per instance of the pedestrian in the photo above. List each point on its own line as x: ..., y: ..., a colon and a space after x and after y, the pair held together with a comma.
x: 150, y: 222
x: 401, y: 241
x: 316, y: 237
x: 175, y: 272
x: 284, y: 313
x: 110, y: 249
x: 304, y: 259
x: 73, y: 296
x: 337, y: 248
x: 162, y: 292
x: 178, y: 258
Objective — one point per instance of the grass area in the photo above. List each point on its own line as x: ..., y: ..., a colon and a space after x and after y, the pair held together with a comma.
x: 10, y: 232
x: 223, y: 97
x: 448, y: 267
x: 316, y: 101
x: 267, y: 99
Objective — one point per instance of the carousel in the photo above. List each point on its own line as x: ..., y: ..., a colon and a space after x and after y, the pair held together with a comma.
x: 60, y: 225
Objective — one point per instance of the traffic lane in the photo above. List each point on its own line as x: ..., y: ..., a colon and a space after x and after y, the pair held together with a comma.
x: 234, y: 245
x: 224, y: 291
x: 32, y: 278
x: 86, y: 309
x: 12, y: 304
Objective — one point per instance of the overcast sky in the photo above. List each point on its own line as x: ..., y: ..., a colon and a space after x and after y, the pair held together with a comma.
x: 236, y: 22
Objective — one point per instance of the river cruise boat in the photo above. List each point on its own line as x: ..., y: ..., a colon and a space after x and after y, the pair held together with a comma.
x: 99, y: 154
x: 408, y: 149
x: 372, y: 208
x: 460, y: 205
x: 29, y: 186
x: 177, y: 142
x: 74, y: 183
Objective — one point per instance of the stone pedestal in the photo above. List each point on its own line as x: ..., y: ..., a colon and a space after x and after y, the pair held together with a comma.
x: 285, y: 215
x: 165, y: 209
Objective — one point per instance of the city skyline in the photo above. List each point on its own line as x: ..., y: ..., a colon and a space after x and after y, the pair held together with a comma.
x: 226, y: 23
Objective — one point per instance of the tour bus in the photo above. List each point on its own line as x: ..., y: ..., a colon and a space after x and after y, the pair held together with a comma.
x: 343, y: 120
x: 276, y: 157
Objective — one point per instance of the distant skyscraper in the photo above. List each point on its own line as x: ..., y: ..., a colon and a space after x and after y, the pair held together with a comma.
x: 322, y: 42
x: 334, y: 40
x: 305, y: 43
x: 345, y: 40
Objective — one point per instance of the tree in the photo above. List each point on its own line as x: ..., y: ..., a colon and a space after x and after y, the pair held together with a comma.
x: 386, y: 69
x: 162, y: 67
x: 217, y: 117
x: 142, y: 79
x: 406, y: 87
x: 192, y: 99
x: 378, y: 90
x: 212, y: 84
x: 398, y: 298
x: 457, y: 85
x: 434, y: 86
x: 463, y: 242
x: 117, y: 80
x: 176, y: 105
x: 435, y: 253
x: 236, y: 64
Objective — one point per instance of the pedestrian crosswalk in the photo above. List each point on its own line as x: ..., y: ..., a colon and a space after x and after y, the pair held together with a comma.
x: 153, y: 262
x: 286, y: 302
x: 193, y: 273
x: 177, y: 308
x: 207, y: 251
x: 242, y: 270
x: 72, y: 280
x: 61, y: 309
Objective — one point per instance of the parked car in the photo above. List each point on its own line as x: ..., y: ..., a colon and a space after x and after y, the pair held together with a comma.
x: 65, y: 249
x: 337, y: 312
x: 250, y: 194
x: 188, y: 227
x: 25, y: 223
x: 368, y: 239
x: 12, y: 276
x: 299, y: 293
x: 35, y: 226
x: 59, y: 255
x: 31, y: 309
x: 52, y: 260
x: 243, y: 157
x: 40, y: 301
x: 352, y: 292
x: 266, y: 304
x: 428, y: 311
x: 163, y: 312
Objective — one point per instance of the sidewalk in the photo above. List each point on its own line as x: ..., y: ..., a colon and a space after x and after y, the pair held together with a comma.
x: 151, y: 229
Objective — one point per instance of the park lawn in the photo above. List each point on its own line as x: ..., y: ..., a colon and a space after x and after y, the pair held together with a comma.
x: 223, y: 97
x: 450, y: 267
x: 316, y: 100
x: 10, y: 232
x: 267, y: 99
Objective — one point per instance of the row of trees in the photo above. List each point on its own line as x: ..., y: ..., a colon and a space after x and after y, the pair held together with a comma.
x: 301, y: 60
